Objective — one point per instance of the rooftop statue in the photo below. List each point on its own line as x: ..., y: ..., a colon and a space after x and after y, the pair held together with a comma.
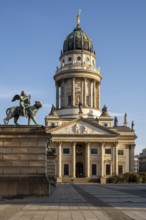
x: 53, y: 110
x: 78, y: 18
x: 24, y: 110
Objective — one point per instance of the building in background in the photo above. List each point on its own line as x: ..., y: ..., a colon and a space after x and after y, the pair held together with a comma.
x: 89, y: 143
x: 136, y: 163
x: 142, y: 161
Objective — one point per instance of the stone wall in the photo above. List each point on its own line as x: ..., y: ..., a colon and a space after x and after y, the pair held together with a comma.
x: 22, y: 156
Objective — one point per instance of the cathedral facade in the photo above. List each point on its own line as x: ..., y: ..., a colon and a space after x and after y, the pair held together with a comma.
x: 88, y: 142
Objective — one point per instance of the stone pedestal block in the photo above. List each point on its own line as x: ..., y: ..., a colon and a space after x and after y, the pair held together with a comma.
x: 102, y: 180
x: 23, y: 186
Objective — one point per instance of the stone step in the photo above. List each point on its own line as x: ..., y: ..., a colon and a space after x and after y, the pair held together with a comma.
x: 80, y: 180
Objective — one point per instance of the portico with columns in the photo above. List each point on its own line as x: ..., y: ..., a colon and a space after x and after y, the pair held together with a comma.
x: 88, y: 142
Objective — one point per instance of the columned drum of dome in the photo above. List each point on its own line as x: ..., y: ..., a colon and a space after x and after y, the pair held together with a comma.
x: 78, y: 79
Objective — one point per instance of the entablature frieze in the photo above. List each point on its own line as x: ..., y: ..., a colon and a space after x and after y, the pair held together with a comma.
x: 130, y: 146
x: 127, y: 137
x: 77, y: 52
x: 108, y: 161
x: 78, y: 74
x: 81, y: 140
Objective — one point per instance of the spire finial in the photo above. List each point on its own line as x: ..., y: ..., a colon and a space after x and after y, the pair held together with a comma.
x: 78, y: 18
x: 132, y: 125
x: 116, y: 121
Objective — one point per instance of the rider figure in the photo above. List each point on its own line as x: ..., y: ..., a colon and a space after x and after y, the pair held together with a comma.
x: 24, y: 102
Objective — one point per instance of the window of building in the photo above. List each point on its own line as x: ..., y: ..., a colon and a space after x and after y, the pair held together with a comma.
x: 69, y: 100
x: 66, y: 150
x: 120, y: 152
x: 107, y: 151
x: 93, y: 169
x: 120, y: 169
x: 66, y: 169
x: 71, y: 44
x: 53, y: 125
x: 69, y: 59
x: 108, y: 169
x: 78, y: 58
x: 93, y: 150
x: 105, y: 124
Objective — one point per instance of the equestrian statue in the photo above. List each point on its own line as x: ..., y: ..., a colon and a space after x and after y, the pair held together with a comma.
x: 24, y: 110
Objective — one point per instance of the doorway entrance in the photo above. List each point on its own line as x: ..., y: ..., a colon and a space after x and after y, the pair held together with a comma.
x: 79, y: 169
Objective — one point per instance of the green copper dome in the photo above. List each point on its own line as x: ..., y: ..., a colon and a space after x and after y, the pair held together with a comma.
x: 77, y: 40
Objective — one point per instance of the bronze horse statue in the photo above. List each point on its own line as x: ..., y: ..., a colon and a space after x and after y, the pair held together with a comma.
x: 16, y: 111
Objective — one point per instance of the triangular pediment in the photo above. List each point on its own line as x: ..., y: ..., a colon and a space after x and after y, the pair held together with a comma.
x: 82, y: 126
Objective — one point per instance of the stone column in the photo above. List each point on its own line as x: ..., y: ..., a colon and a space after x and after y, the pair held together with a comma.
x: 60, y: 160
x: 73, y: 92
x: 74, y: 160
x: 87, y: 151
x: 84, y: 93
x: 82, y: 98
x: 102, y: 160
x: 91, y: 94
x: 115, y: 159
x: 94, y: 94
x: 131, y: 157
x: 62, y: 94
x: 57, y: 95
x: 98, y: 96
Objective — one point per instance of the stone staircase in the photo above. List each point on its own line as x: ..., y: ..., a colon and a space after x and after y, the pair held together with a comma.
x: 80, y: 180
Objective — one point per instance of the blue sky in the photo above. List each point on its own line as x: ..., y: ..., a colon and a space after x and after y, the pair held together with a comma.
x: 31, y: 38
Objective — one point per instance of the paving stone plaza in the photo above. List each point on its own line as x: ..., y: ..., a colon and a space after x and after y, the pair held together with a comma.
x: 79, y: 202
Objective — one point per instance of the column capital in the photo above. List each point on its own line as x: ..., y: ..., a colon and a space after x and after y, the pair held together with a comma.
x: 102, y: 143
x: 130, y: 145
x: 115, y: 144
x: 88, y: 144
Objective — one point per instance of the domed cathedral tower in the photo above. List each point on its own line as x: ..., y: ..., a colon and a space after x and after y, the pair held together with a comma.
x: 78, y: 79
x: 86, y: 142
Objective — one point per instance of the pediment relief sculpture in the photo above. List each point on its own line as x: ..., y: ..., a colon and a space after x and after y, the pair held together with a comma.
x: 80, y: 129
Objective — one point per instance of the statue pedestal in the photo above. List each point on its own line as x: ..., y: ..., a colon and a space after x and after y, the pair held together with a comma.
x: 50, y: 171
x: 102, y: 180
